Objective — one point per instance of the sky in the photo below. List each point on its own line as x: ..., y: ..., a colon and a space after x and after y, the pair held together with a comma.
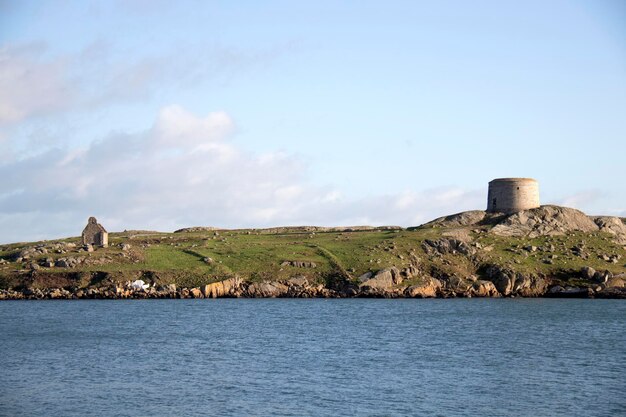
x: 157, y: 115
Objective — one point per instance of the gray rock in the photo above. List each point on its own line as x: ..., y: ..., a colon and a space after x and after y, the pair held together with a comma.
x: 299, y: 264
x: 569, y: 292
x: 384, y: 279
x: 444, y: 246
x: 366, y: 276
x: 267, y: 289
x: 602, y: 276
x: 299, y: 281
x: 467, y: 218
x: 613, y: 225
x: 459, y: 286
x: 170, y: 288
x: 588, y: 272
x: 410, y: 271
x: 48, y: 263
x: 62, y: 263
x: 509, y: 282
x: 556, y: 289
x: 544, y: 221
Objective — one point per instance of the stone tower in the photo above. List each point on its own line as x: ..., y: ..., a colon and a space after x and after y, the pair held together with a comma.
x: 508, y: 195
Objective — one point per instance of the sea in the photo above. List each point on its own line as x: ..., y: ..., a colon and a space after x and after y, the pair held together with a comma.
x: 313, y: 357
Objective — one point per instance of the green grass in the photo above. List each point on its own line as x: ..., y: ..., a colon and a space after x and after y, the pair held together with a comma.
x: 508, y: 250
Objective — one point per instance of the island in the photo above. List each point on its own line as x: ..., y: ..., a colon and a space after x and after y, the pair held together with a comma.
x: 546, y: 251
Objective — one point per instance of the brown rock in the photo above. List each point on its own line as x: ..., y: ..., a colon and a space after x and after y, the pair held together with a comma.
x: 615, y: 282
x: 195, y: 293
x: 221, y: 288
x: 56, y: 293
x: 482, y: 288
x: 429, y: 288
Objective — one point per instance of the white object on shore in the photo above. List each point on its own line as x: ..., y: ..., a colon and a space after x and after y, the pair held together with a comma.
x: 139, y: 285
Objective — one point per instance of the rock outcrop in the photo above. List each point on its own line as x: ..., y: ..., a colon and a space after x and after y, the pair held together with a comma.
x: 268, y: 289
x: 196, y: 229
x: 458, y: 286
x: 446, y: 245
x: 544, y: 221
x: 225, y: 288
x: 483, y: 288
x: 612, y: 225
x: 428, y: 289
x: 196, y: 293
x: 382, y: 280
x: 617, y: 281
x: 509, y: 282
x: 464, y: 219
x: 547, y: 220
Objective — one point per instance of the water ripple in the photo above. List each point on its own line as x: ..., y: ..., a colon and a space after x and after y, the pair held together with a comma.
x: 313, y: 357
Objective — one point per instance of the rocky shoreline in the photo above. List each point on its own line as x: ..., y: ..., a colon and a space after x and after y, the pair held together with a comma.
x: 384, y: 284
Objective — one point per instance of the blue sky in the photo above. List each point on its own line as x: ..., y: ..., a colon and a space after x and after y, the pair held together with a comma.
x: 159, y: 114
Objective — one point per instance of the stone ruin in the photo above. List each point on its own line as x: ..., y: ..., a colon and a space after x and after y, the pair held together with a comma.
x: 94, y: 234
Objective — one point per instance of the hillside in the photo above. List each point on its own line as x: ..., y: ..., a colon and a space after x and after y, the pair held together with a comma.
x: 549, y: 251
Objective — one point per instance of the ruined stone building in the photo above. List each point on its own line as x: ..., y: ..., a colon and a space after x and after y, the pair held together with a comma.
x: 95, y: 234
x: 509, y: 195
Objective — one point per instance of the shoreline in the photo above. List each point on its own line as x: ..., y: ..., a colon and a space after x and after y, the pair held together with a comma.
x: 279, y: 290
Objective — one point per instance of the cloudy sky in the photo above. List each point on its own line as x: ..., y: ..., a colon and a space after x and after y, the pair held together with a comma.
x: 162, y: 114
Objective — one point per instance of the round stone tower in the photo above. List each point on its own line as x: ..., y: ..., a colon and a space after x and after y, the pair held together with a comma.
x: 508, y: 195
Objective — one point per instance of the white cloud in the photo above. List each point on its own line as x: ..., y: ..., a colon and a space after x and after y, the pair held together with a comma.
x: 36, y: 82
x: 183, y: 171
x: 177, y: 128
x: 31, y: 85
x: 580, y: 200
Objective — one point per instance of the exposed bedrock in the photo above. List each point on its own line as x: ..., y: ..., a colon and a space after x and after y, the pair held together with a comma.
x: 509, y: 282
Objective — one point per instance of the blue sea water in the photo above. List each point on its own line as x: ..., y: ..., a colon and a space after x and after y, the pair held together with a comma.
x: 297, y: 357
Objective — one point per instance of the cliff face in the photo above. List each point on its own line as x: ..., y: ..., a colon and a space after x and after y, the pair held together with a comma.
x: 547, y: 251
